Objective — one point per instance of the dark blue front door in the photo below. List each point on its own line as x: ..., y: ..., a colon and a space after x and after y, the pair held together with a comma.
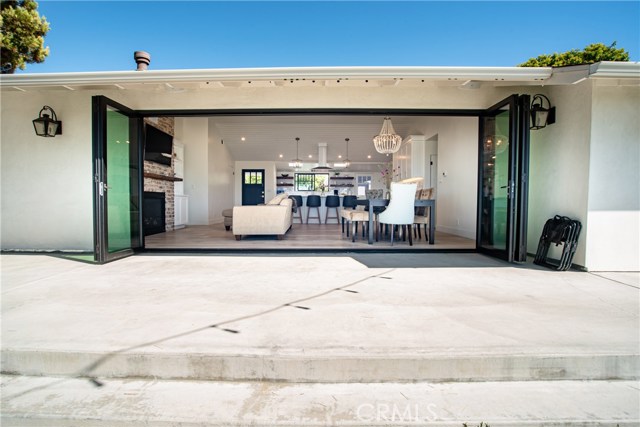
x: 252, y: 186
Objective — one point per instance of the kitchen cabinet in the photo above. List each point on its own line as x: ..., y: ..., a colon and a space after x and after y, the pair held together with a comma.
x: 414, y: 158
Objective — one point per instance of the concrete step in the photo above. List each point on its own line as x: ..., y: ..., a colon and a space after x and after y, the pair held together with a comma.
x: 323, y: 366
x: 313, y: 319
x: 30, y: 401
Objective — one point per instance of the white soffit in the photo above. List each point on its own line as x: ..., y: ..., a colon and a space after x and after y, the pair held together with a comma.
x: 277, y: 76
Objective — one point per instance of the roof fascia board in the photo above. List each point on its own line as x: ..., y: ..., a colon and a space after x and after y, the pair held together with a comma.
x: 617, y: 70
x: 240, y: 74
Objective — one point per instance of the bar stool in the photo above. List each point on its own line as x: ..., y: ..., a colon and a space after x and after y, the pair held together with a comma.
x: 314, y: 202
x: 332, y: 202
x: 297, y: 208
x: 348, y: 202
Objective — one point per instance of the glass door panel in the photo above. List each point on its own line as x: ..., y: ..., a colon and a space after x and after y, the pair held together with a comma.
x: 122, y: 206
x: 497, y: 171
x: 117, y: 179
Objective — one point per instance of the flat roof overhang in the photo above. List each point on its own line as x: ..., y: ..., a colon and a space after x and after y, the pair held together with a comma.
x: 277, y: 76
x: 236, y: 77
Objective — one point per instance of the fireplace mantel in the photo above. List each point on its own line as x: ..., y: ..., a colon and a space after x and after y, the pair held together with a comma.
x: 162, y: 177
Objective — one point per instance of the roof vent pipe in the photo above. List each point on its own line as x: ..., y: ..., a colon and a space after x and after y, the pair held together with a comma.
x: 143, y: 59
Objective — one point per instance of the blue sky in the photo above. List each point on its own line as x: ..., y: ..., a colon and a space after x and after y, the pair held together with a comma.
x: 102, y: 36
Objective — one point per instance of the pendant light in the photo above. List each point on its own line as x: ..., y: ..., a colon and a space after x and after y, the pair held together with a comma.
x: 387, y: 142
x: 346, y: 162
x: 297, y: 163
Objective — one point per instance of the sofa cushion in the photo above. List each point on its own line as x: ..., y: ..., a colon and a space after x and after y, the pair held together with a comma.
x: 265, y: 219
x: 279, y: 198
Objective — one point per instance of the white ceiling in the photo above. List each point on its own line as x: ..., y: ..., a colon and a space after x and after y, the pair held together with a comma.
x: 267, y: 137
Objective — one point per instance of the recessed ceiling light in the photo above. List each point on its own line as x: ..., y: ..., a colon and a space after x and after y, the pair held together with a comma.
x: 280, y: 156
x: 369, y: 156
x: 310, y: 156
x: 243, y: 139
x: 339, y: 156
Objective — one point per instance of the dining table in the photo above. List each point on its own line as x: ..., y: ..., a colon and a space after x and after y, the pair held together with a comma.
x: 429, y: 203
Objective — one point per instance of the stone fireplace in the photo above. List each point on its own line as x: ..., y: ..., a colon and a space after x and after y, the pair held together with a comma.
x: 153, y: 220
x: 159, y: 178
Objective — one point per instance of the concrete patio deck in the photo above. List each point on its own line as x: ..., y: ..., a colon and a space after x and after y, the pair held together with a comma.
x: 256, y: 331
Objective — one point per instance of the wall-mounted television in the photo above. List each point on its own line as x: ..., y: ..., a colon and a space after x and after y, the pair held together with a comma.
x: 158, y: 145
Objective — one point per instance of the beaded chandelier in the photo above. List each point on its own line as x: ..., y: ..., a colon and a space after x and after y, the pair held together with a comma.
x: 387, y: 142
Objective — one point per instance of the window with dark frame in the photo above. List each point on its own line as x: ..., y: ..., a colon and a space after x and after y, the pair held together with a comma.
x: 253, y: 178
x: 312, y: 181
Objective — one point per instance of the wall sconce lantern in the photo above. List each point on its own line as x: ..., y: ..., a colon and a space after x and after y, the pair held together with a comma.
x: 541, y: 116
x: 47, y: 125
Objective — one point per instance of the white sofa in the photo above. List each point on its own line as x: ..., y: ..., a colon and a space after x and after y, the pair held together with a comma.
x: 273, y: 218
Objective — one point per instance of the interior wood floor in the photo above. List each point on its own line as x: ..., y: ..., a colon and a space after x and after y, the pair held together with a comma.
x: 300, y: 236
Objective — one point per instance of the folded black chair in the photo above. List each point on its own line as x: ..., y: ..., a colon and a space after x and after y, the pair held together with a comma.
x: 558, y: 230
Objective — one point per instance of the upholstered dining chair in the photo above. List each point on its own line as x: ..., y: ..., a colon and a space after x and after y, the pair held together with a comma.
x: 375, y: 194
x: 400, y: 211
x: 348, y: 202
x: 422, y: 213
x: 353, y: 217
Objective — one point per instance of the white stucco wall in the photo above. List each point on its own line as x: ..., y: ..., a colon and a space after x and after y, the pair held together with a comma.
x: 47, y: 186
x: 559, y: 165
x: 221, y: 174
x: 613, y: 232
x: 194, y: 134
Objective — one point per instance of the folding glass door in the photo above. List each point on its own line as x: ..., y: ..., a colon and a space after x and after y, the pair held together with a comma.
x: 502, y: 180
x: 117, y: 177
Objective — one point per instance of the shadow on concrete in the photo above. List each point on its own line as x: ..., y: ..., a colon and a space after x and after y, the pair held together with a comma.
x: 88, y: 371
x: 384, y: 259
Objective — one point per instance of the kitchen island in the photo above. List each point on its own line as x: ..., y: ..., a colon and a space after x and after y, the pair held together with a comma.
x: 322, y: 208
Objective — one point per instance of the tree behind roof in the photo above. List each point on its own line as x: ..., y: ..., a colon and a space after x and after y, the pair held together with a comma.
x: 591, y: 54
x: 22, y: 32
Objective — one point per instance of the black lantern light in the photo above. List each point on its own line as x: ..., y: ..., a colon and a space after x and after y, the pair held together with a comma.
x: 47, y: 125
x: 541, y: 116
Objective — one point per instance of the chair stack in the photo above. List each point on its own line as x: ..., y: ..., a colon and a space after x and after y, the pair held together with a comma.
x: 559, y: 229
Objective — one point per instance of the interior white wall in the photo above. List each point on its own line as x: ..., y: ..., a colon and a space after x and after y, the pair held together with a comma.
x: 193, y: 132
x: 559, y: 166
x: 221, y: 173
x: 269, y: 179
x: 613, y: 232
x: 47, y: 187
x: 457, y: 189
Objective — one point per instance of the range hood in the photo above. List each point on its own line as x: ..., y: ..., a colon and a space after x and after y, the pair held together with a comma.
x: 322, y: 159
